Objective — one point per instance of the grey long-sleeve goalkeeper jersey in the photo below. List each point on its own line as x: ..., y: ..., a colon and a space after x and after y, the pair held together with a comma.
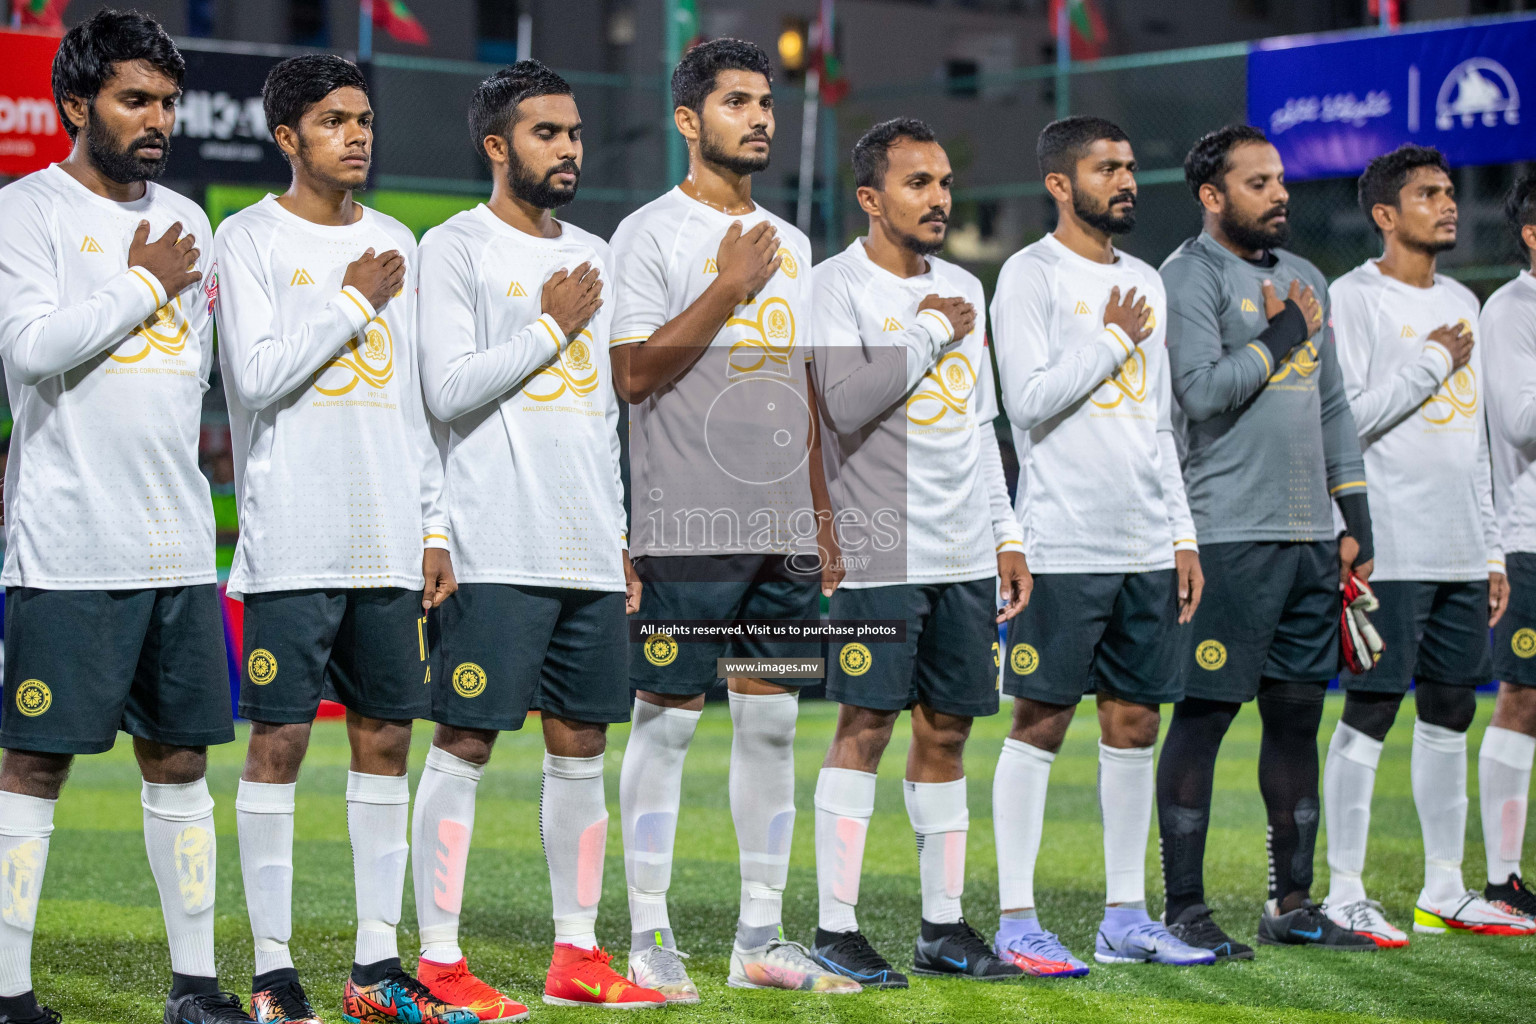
x: 1267, y: 447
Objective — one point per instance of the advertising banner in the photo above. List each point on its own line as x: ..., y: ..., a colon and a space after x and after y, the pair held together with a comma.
x: 1330, y: 107
x: 31, y: 136
x: 221, y: 133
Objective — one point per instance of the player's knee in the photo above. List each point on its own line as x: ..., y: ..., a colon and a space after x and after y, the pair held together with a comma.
x: 170, y: 766
x: 34, y: 774
x: 1291, y: 706
x: 1042, y: 726
x: 1450, y: 707
x: 1133, y: 730
x: 861, y: 738
x: 472, y: 745
x: 276, y: 751
x: 1371, y: 713
x: 1516, y: 708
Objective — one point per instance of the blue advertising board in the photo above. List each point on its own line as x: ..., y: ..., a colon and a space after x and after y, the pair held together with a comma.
x: 1330, y: 107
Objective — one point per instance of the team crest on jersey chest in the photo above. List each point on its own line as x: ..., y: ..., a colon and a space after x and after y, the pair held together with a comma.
x: 368, y: 359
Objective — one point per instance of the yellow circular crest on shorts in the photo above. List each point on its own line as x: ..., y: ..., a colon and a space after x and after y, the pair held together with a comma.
x: 1523, y: 643
x: 261, y: 666
x: 33, y: 697
x: 855, y: 659
x: 1023, y: 659
x: 469, y: 680
x: 1211, y: 655
x: 660, y: 649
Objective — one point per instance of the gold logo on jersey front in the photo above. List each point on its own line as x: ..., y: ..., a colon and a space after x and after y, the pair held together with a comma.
x: 1407, y: 332
x: 300, y: 276
x: 1128, y: 381
x: 1302, y: 361
x: 710, y: 266
x: 1249, y: 307
x: 1211, y: 655
x: 515, y: 291
x: 369, y: 358
x: 469, y: 680
x: 165, y: 330
x: 771, y: 341
x: 892, y: 324
x: 1023, y: 659
x: 90, y: 245
x: 261, y: 666
x: 788, y: 265
x: 573, y: 371
x: 1456, y: 397
x: 661, y: 649
x: 33, y: 697
x: 855, y: 659
x: 943, y: 390
x: 1523, y: 643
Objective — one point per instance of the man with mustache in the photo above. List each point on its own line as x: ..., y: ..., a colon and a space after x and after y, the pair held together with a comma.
x: 515, y: 368
x: 1439, y: 563
x: 112, y: 619
x: 907, y: 409
x: 712, y: 314
x: 1508, y: 326
x: 1085, y: 381
x: 1270, y: 448
x: 343, y: 549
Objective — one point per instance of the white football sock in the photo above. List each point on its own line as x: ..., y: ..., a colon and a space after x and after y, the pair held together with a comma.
x: 573, y: 826
x: 26, y: 822
x: 1127, y: 785
x: 650, y: 792
x: 1439, y: 773
x: 845, y: 801
x: 1349, y: 779
x: 442, y: 824
x: 178, y: 836
x: 378, y: 820
x: 1018, y: 818
x: 940, y: 819
x: 1504, y: 782
x: 264, y: 823
x: 762, y: 787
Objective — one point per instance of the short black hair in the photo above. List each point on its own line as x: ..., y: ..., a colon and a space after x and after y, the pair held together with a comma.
x: 694, y: 77
x: 1520, y: 209
x: 872, y: 153
x: 493, y: 107
x: 1384, y: 177
x: 88, y: 52
x: 1210, y: 157
x: 1063, y: 143
x: 298, y: 83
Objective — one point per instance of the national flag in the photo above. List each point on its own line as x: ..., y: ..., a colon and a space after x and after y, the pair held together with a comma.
x: 1086, y: 28
x: 829, y: 68
x: 396, y: 19
x: 47, y: 14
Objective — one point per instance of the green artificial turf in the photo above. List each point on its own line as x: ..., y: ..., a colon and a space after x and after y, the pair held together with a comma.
x: 100, y: 952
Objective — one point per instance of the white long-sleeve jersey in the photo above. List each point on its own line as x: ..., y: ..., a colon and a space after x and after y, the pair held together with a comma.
x: 907, y: 413
x: 532, y: 482
x: 1507, y: 342
x: 106, y: 375
x: 1422, y: 428
x: 1099, y: 483
x: 336, y: 473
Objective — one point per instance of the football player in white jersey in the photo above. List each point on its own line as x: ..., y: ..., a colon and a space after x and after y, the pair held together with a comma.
x: 907, y: 408
x: 514, y: 360
x: 1079, y: 328
x: 1508, y: 345
x: 112, y: 619
x: 1415, y: 381
x: 710, y: 345
x: 342, y: 549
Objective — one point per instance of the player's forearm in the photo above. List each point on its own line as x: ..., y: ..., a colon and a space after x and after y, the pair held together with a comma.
x: 1174, y: 497
x: 1207, y: 388
x: 271, y: 368
x: 1377, y: 410
x: 1006, y: 531
x: 470, y: 379
x: 1050, y: 390
x: 64, y: 338
x: 857, y: 390
x: 643, y: 368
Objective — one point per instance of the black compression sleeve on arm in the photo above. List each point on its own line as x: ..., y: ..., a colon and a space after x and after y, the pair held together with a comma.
x: 1287, y: 330
x: 1357, y: 523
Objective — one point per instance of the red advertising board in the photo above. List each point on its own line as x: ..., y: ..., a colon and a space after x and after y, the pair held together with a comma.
x: 31, y: 137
